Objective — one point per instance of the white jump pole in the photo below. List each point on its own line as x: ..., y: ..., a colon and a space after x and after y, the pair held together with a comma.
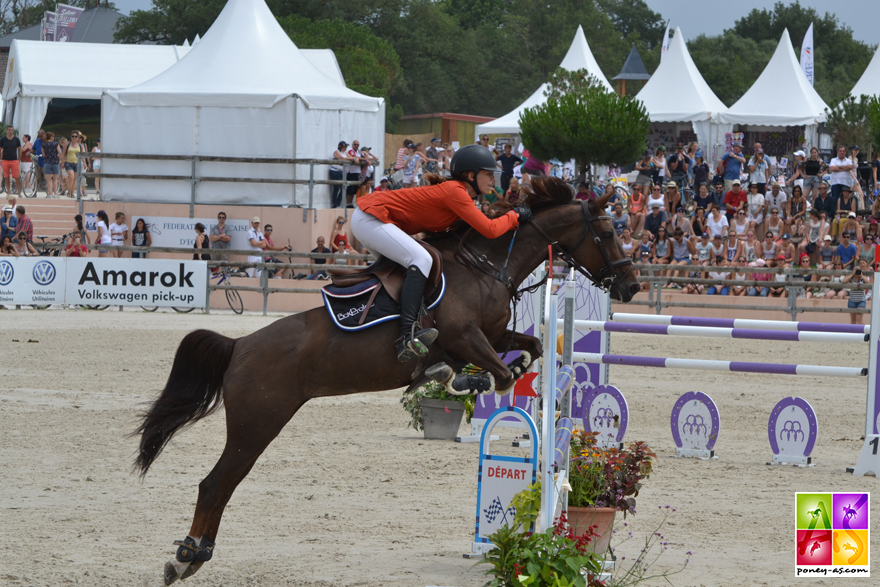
x: 548, y: 419
x: 869, y: 458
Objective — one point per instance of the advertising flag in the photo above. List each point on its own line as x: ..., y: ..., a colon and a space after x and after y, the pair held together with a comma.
x: 65, y: 20
x: 807, y: 54
x: 665, y: 47
x: 48, y: 33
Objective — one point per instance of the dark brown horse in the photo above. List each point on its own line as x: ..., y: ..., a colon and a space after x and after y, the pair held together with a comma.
x: 210, y: 369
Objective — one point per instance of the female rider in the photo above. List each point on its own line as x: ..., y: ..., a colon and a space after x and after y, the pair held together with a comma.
x: 383, y: 222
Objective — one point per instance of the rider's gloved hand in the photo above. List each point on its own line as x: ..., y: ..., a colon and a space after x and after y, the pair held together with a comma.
x: 524, y: 214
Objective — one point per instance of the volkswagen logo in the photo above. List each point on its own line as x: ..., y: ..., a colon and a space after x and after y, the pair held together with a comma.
x: 44, y: 273
x: 6, y: 272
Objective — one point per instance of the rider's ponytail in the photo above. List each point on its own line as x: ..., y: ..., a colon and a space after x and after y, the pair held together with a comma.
x: 434, y: 179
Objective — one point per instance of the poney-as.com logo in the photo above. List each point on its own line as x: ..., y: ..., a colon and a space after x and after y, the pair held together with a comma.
x: 833, y: 535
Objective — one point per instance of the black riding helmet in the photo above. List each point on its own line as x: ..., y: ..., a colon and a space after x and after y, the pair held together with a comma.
x: 471, y: 158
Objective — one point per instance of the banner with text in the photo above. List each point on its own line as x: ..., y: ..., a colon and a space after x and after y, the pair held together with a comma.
x: 48, y: 32
x: 36, y: 281
x: 180, y: 232
x: 65, y: 21
x: 136, y: 282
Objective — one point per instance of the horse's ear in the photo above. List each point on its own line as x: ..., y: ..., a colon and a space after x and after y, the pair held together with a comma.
x: 599, y: 205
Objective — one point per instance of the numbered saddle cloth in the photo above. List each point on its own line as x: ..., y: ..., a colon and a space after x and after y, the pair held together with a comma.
x: 368, y: 303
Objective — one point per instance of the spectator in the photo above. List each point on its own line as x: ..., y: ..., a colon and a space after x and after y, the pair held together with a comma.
x: 619, y: 219
x: 827, y: 254
x: 119, y: 234
x: 507, y: 162
x: 825, y: 202
x: 734, y: 200
x: 353, y: 172
x: 39, y: 178
x: 654, y: 221
x: 751, y: 247
x: 656, y: 197
x: 24, y: 164
x: 7, y: 249
x: 732, y: 163
x: 368, y: 165
x: 851, y: 225
x: 8, y: 221
x: 140, y: 237
x: 658, y: 174
x: 716, y: 222
x: 760, y: 290
x: 219, y: 234
x: 627, y: 243
x: 484, y: 208
x: 401, y: 154
x: 69, y: 157
x: 96, y: 164
x: 774, y: 225
x: 755, y: 207
x: 104, y: 237
x: 338, y: 237
x: 51, y: 167
x: 833, y: 293
x: 645, y: 167
x: 775, y: 198
x: 336, y: 173
x: 718, y: 273
x: 23, y: 246
x: 841, y: 168
x: 815, y: 232
x: 719, y: 251
x: 201, y: 243
x: 317, y: 273
x: 532, y: 167
x: 81, y: 229
x: 875, y: 166
x: 645, y: 259
x: 636, y: 209
x: 412, y: 163
x: 699, y: 224
x: 799, y: 174
x: 383, y: 185
x: 856, y: 186
x: 787, y: 249
x: 857, y: 297
x: 673, y: 197
x: 868, y: 250
x: 432, y: 156
x: 734, y: 247
x: 484, y: 141
x: 846, y: 252
x: 23, y: 224
x: 814, y: 169
x: 795, y: 211
x: 705, y: 254
x: 779, y: 291
x: 759, y: 170
x: 682, y: 251
x: 365, y: 188
x: 703, y: 199
x: 718, y: 194
x: 11, y: 148
x: 445, y: 159
x: 271, y: 246
x: 662, y: 250
x: 846, y: 204
x: 645, y: 245
x: 76, y: 248
x: 741, y: 224
x: 677, y: 166
x: 701, y: 171
x: 257, y: 243
x: 681, y: 223
x: 512, y: 195
x: 739, y: 274
x: 699, y: 288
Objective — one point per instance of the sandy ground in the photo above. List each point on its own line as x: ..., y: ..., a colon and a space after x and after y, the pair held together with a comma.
x: 348, y: 495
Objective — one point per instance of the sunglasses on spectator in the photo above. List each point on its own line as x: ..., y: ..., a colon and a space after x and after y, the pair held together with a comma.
x: 484, y: 138
x: 751, y: 234
x: 221, y: 218
x: 740, y: 213
x: 268, y: 230
x: 741, y: 260
x: 774, y: 212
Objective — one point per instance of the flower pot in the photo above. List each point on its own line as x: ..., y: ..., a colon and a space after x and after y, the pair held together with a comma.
x: 582, y: 518
x: 441, y: 418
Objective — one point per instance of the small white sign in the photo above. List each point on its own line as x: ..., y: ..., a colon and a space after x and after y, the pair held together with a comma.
x: 168, y: 231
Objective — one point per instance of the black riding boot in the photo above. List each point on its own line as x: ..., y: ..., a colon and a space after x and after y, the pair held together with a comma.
x: 413, y: 341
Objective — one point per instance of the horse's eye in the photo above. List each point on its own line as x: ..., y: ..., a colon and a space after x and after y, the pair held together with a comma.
x: 608, y: 235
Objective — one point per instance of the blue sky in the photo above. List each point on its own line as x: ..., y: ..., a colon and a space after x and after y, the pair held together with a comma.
x: 711, y: 17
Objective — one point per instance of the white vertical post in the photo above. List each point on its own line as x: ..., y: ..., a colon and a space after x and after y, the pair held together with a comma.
x: 869, y: 459
x: 548, y: 422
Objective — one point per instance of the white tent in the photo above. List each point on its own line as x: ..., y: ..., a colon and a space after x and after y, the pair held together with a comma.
x: 37, y: 72
x: 781, y: 96
x: 869, y: 83
x: 579, y: 56
x: 677, y: 92
x: 244, y: 90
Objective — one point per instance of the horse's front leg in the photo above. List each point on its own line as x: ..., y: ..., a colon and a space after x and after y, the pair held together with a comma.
x: 473, y: 346
x: 530, y: 346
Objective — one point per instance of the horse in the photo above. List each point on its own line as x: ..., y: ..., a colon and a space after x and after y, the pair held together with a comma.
x: 210, y: 370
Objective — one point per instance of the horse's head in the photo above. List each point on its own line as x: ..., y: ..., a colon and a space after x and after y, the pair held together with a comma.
x: 583, y: 235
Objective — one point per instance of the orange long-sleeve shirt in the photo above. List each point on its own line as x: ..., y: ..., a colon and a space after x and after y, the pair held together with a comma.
x: 433, y: 209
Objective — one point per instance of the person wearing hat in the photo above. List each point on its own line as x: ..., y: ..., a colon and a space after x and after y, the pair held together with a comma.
x: 672, y: 197
x: 755, y: 207
x: 825, y: 202
x: 677, y: 166
x: 814, y: 231
x: 846, y: 252
x: 507, y: 161
x: 826, y: 254
x: 846, y: 204
x: 700, y: 170
x: 858, y: 297
x: 734, y: 200
x: 759, y: 169
x: 786, y: 248
x: 658, y: 174
x: 257, y: 243
x: 841, y: 172
x: 8, y: 222
x: 336, y: 173
x: 798, y: 175
x: 705, y: 252
x: 383, y: 185
x: 733, y: 162
x: 655, y: 220
x: 775, y: 198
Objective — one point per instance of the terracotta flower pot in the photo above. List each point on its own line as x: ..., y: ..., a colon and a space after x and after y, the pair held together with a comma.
x: 582, y: 518
x: 442, y: 418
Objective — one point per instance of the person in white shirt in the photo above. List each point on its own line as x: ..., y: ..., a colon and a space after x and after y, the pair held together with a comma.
x: 257, y: 243
x: 759, y: 169
x: 775, y: 198
x: 118, y: 234
x: 755, y: 206
x: 841, y: 172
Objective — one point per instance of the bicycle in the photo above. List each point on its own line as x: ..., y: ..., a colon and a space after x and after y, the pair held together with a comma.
x: 232, y: 297
x: 58, y: 240
x: 178, y: 310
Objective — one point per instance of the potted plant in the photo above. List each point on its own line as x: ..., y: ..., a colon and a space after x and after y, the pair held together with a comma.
x: 436, y: 412
x: 602, y: 482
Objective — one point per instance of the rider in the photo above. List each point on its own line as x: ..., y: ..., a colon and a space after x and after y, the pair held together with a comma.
x: 383, y: 222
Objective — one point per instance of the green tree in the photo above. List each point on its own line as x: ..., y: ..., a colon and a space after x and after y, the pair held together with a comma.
x: 635, y: 20
x: 874, y: 121
x: 849, y: 123
x: 563, y: 82
x: 589, y: 125
x: 730, y: 64
x: 168, y: 22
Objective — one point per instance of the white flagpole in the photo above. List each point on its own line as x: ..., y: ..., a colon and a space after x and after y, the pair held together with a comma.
x: 807, y: 54
x: 665, y: 46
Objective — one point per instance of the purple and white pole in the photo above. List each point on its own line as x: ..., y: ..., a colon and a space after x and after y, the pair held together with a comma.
x: 739, y: 323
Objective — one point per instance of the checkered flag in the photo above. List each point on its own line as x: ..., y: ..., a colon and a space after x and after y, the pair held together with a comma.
x: 494, y: 510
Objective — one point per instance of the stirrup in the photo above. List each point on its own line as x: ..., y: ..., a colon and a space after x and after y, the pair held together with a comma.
x: 415, y: 345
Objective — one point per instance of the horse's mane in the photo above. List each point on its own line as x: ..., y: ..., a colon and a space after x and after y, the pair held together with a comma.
x: 547, y: 192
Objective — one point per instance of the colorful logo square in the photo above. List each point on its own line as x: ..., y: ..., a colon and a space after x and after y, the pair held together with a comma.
x: 814, y: 511
x: 850, y: 548
x: 850, y: 511
x: 814, y: 547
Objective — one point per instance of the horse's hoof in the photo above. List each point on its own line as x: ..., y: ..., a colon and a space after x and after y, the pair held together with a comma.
x: 171, y: 574
x: 441, y: 373
x: 190, y: 570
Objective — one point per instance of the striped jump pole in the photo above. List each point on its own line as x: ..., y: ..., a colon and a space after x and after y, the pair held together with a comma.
x: 731, y: 366
x: 719, y: 332
x: 739, y: 323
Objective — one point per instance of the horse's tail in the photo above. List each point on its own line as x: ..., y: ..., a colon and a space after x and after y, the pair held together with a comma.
x: 192, y: 392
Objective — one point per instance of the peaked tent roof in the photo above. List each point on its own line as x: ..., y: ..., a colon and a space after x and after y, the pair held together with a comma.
x: 245, y: 60
x: 869, y: 83
x: 677, y: 92
x: 579, y: 56
x: 633, y: 67
x: 781, y: 96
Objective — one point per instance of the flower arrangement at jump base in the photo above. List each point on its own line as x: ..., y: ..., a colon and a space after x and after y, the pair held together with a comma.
x: 437, y: 396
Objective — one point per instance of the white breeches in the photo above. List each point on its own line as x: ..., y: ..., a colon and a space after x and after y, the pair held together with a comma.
x: 389, y: 241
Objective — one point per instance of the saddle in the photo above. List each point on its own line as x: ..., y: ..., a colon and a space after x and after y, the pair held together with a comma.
x: 389, y: 273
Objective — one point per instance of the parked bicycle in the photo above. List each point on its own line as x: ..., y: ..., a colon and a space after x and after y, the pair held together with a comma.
x: 222, y: 276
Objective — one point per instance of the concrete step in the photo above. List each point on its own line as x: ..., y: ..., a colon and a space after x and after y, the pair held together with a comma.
x: 51, y: 217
